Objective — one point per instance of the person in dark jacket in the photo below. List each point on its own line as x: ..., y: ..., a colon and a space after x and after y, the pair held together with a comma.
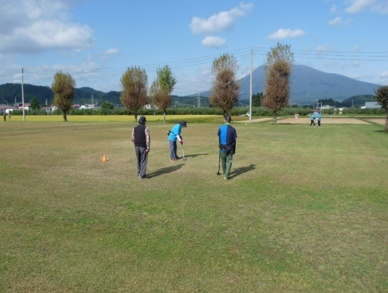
x: 142, y: 141
x: 227, y: 136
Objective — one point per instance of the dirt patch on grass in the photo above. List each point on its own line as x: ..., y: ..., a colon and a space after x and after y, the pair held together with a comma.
x: 306, y: 120
x: 324, y: 121
x: 378, y: 121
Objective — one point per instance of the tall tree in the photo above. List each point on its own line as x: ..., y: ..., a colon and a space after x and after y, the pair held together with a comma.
x: 277, y: 78
x: 225, y: 89
x: 107, y: 105
x: 256, y: 99
x: 382, y: 99
x: 162, y: 88
x: 34, y: 104
x: 134, y: 89
x: 63, y: 88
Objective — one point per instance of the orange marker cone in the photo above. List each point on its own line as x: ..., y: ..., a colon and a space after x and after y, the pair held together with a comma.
x: 104, y: 158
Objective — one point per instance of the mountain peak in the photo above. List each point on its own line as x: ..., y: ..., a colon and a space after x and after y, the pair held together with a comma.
x: 309, y: 84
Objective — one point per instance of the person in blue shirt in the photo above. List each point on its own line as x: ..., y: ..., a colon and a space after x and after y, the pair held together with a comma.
x: 173, y: 135
x: 312, y: 122
x: 227, y: 136
x: 319, y: 118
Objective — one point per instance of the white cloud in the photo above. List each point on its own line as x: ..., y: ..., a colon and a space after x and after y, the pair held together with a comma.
x: 356, y: 63
x: 321, y: 49
x: 286, y: 34
x: 111, y: 51
x: 336, y: 21
x: 214, y: 42
x: 378, y: 6
x: 356, y: 48
x: 384, y: 75
x: 219, y: 22
x: 31, y: 25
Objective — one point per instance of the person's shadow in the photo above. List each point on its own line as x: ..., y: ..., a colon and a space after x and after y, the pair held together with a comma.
x: 242, y: 170
x: 195, y: 155
x: 165, y: 170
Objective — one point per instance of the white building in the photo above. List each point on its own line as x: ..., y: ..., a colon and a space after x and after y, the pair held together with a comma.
x: 87, y: 106
x: 371, y: 105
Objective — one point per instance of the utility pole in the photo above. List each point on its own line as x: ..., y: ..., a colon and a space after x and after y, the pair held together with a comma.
x: 24, y: 116
x: 250, y: 90
x: 199, y: 100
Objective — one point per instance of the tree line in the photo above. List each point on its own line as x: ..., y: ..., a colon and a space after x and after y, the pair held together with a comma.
x: 224, y: 92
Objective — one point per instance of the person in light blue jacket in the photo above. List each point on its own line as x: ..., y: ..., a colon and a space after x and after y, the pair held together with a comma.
x: 312, y: 119
x: 173, y: 135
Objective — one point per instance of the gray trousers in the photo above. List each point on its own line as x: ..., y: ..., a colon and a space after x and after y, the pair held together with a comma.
x: 173, y: 149
x: 142, y: 157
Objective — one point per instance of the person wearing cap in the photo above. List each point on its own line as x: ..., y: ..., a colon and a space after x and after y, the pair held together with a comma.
x: 142, y: 141
x: 173, y: 135
x: 227, y: 136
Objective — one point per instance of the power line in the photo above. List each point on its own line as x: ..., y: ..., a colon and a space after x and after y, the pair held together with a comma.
x: 370, y: 56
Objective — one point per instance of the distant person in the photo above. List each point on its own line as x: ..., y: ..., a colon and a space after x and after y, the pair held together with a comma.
x: 319, y: 118
x: 142, y: 140
x: 4, y: 115
x: 173, y: 135
x: 227, y: 136
x: 9, y: 114
x: 312, y: 119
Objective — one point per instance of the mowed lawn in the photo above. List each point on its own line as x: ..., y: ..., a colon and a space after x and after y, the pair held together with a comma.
x: 304, y: 211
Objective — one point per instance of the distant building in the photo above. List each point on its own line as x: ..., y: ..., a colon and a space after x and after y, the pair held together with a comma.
x: 87, y: 106
x: 47, y: 109
x: 371, y: 105
x: 26, y: 106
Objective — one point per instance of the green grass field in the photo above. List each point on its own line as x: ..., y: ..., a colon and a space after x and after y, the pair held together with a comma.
x: 304, y: 211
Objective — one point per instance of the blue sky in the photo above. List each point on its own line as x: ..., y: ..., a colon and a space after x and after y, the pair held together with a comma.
x: 96, y: 41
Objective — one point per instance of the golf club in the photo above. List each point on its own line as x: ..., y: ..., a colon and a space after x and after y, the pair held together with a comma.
x: 219, y: 158
x: 183, y: 154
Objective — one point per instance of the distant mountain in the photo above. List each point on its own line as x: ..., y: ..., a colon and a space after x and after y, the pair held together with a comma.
x: 11, y: 93
x: 308, y: 85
